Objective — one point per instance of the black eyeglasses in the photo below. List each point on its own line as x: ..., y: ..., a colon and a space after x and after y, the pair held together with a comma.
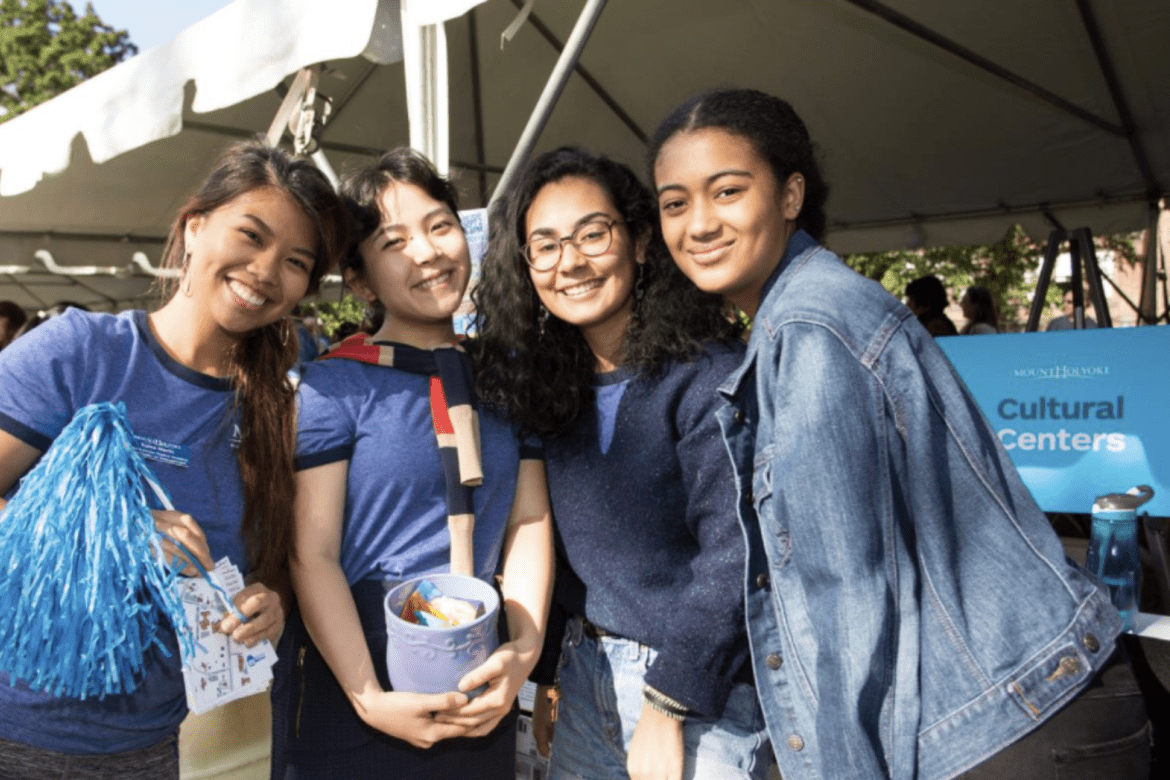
x: 591, y: 239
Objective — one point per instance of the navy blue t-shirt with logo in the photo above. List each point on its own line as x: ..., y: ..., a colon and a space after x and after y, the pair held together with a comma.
x: 184, y: 424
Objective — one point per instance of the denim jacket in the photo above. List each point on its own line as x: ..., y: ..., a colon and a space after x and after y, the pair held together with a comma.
x: 910, y: 610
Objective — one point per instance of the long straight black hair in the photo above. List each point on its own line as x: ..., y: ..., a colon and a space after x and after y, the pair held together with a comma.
x: 261, y: 360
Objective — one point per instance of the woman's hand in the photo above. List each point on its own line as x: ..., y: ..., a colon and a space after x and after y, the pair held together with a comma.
x: 418, y: 718
x: 503, y: 673
x: 544, y: 718
x: 179, y: 527
x: 656, y: 749
x: 265, y: 612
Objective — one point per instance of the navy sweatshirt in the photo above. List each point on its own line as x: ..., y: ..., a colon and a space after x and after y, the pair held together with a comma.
x: 648, y: 543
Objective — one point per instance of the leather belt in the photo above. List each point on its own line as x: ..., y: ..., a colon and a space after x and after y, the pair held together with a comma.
x: 593, y: 630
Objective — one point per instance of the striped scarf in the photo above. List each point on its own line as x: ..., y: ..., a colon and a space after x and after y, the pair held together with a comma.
x: 455, y: 419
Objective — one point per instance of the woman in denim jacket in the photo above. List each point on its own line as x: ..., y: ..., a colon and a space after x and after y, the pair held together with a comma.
x: 911, y: 612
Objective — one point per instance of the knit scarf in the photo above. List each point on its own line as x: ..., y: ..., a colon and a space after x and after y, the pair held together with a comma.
x: 455, y: 420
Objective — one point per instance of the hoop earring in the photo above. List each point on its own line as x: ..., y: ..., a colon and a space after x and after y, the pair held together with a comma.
x: 541, y: 319
x: 285, y: 329
x: 185, y: 277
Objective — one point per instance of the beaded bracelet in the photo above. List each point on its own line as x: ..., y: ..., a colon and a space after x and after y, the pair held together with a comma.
x: 660, y: 702
x: 654, y: 705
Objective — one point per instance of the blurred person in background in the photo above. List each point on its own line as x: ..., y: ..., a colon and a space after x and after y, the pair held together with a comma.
x: 927, y: 298
x: 979, y: 308
x: 1065, y: 321
x: 11, y: 318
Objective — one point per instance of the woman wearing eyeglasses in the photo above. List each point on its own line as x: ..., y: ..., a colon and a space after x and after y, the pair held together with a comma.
x: 604, y: 349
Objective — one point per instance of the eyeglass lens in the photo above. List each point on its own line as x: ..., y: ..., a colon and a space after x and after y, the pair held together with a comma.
x: 591, y: 240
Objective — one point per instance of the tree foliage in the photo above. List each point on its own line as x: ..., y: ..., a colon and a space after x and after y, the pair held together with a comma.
x: 333, y: 314
x: 1007, y: 268
x: 46, y: 48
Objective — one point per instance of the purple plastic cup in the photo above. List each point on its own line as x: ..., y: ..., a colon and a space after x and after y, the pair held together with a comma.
x: 422, y: 659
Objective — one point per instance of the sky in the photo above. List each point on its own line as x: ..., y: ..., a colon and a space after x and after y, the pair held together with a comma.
x: 151, y: 22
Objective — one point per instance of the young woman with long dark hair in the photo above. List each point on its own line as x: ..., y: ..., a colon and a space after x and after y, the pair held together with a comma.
x: 911, y: 611
x: 979, y: 309
x: 591, y: 338
x: 377, y: 504
x: 206, y: 376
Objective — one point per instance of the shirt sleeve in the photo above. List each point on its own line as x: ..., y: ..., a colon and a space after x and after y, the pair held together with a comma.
x: 42, y: 375
x: 706, y: 645
x: 325, y: 432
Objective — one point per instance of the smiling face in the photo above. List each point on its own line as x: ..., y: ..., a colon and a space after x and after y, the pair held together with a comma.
x: 417, y: 265
x: 250, y: 259
x: 725, y: 217
x: 594, y: 293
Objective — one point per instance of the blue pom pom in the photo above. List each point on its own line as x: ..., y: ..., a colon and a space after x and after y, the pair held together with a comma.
x: 84, y: 588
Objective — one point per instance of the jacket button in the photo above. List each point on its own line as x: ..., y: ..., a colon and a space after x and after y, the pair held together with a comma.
x: 773, y: 661
x: 739, y: 416
x: 750, y: 497
x: 762, y: 580
x: 795, y: 742
x: 1091, y: 643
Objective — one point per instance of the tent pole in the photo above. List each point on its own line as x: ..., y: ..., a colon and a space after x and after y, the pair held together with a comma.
x: 1149, y: 296
x: 476, y: 102
x: 552, y: 91
x: 587, y: 77
x: 322, y: 162
x: 40, y: 301
x: 946, y: 44
x: 1119, y: 102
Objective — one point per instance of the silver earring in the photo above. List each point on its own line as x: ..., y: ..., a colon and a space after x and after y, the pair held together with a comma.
x: 541, y: 319
x: 640, y: 283
x: 185, y: 281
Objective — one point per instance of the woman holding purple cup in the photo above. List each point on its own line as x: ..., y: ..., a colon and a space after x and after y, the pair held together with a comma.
x: 400, y: 476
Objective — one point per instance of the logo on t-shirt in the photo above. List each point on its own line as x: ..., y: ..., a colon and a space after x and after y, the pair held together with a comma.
x: 163, y: 451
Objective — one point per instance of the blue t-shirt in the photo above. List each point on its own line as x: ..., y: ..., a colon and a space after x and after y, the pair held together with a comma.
x: 395, y: 520
x: 185, y: 428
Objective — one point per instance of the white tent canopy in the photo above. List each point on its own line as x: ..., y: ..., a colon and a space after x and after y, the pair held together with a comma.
x: 938, y: 123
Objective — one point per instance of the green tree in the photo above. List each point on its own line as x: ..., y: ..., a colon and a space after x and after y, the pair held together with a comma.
x: 1003, y: 267
x: 45, y: 49
x: 333, y: 313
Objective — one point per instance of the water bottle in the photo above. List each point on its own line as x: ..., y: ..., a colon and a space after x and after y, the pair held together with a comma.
x: 1113, y: 547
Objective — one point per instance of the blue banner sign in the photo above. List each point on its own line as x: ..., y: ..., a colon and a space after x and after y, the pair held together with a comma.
x: 1080, y: 413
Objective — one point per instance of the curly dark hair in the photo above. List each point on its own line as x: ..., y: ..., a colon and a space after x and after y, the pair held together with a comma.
x: 542, y: 377
x: 774, y: 130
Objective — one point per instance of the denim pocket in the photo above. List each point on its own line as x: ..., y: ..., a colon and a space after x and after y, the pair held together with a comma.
x: 1125, y: 757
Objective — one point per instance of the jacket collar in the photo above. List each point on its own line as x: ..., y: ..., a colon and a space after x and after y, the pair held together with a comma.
x: 800, y: 245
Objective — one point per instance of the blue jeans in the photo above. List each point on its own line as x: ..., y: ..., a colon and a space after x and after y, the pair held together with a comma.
x: 601, y: 701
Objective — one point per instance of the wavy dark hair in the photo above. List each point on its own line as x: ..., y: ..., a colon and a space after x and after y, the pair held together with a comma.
x: 542, y: 377
x: 260, y: 362
x: 362, y: 190
x: 773, y: 129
